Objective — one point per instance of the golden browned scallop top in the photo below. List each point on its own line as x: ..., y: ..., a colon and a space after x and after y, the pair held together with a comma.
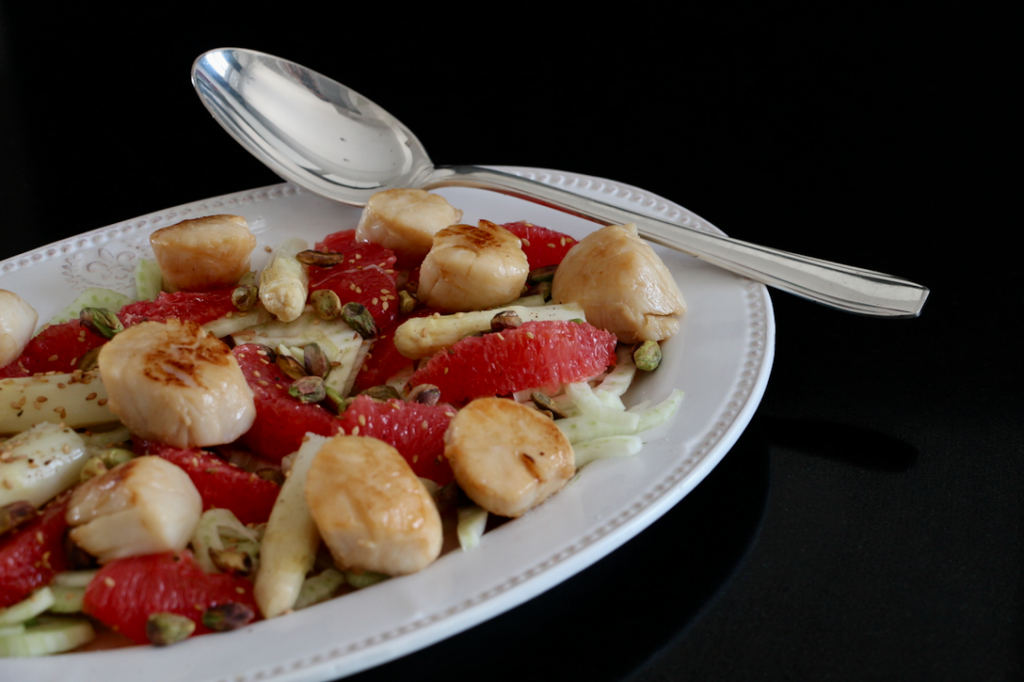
x: 621, y: 284
x: 174, y: 382
x: 473, y: 268
x: 203, y: 253
x: 372, y: 511
x: 508, y: 458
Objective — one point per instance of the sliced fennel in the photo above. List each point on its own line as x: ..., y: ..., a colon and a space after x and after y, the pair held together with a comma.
x: 148, y: 280
x: 235, y: 322
x: 319, y: 587
x: 92, y: 297
x: 27, y: 608
x: 343, y: 346
x: 472, y: 522
x: 601, y: 431
x: 605, y: 448
x: 67, y: 599
x: 619, y: 379
x: 660, y: 413
x: 50, y: 635
x: 364, y: 579
x: 220, y: 529
x: 74, y: 578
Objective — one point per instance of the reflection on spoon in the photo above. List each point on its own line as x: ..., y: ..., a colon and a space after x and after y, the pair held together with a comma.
x: 331, y: 140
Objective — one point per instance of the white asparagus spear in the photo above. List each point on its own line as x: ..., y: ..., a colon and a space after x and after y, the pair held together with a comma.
x: 39, y: 463
x: 284, y: 285
x: 291, y: 539
x: 76, y: 399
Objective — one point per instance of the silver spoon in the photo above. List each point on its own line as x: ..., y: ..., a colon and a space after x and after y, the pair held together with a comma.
x: 331, y: 140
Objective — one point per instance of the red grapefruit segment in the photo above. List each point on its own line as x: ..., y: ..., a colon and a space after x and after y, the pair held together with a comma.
x: 542, y: 246
x: 220, y: 484
x: 57, y: 348
x: 31, y: 554
x: 371, y: 286
x: 415, y: 430
x: 535, y: 354
x: 281, y: 420
x: 126, y: 591
x: 358, y: 254
x: 198, y: 306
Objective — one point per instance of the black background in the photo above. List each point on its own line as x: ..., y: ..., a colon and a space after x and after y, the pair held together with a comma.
x: 868, y: 525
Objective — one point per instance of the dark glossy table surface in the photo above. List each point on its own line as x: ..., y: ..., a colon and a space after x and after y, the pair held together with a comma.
x: 868, y: 524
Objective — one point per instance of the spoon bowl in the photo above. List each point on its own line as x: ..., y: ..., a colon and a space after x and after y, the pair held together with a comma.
x: 323, y: 136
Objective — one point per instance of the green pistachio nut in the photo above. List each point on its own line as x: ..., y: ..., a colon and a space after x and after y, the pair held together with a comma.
x: 164, y: 628
x: 326, y: 304
x: 647, y: 356
x: 308, y: 389
x: 101, y: 321
x: 359, y: 318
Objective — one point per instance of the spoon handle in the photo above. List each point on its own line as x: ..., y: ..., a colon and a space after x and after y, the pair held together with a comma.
x: 847, y: 288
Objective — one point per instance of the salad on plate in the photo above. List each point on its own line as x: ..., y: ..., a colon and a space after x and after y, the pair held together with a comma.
x: 229, y: 446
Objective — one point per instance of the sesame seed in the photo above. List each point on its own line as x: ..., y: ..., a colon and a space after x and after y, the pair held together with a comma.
x: 53, y: 358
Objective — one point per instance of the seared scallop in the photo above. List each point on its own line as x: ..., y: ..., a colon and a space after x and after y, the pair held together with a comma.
x: 622, y: 285
x: 203, y: 253
x: 17, y: 323
x: 473, y: 268
x: 175, y: 383
x: 373, y: 512
x: 508, y: 458
x: 405, y: 221
x: 143, y: 506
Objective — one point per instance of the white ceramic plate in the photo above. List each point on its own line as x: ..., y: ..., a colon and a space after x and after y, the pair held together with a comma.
x: 721, y: 358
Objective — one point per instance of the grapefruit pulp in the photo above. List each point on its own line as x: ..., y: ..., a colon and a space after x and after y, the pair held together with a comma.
x: 534, y: 355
